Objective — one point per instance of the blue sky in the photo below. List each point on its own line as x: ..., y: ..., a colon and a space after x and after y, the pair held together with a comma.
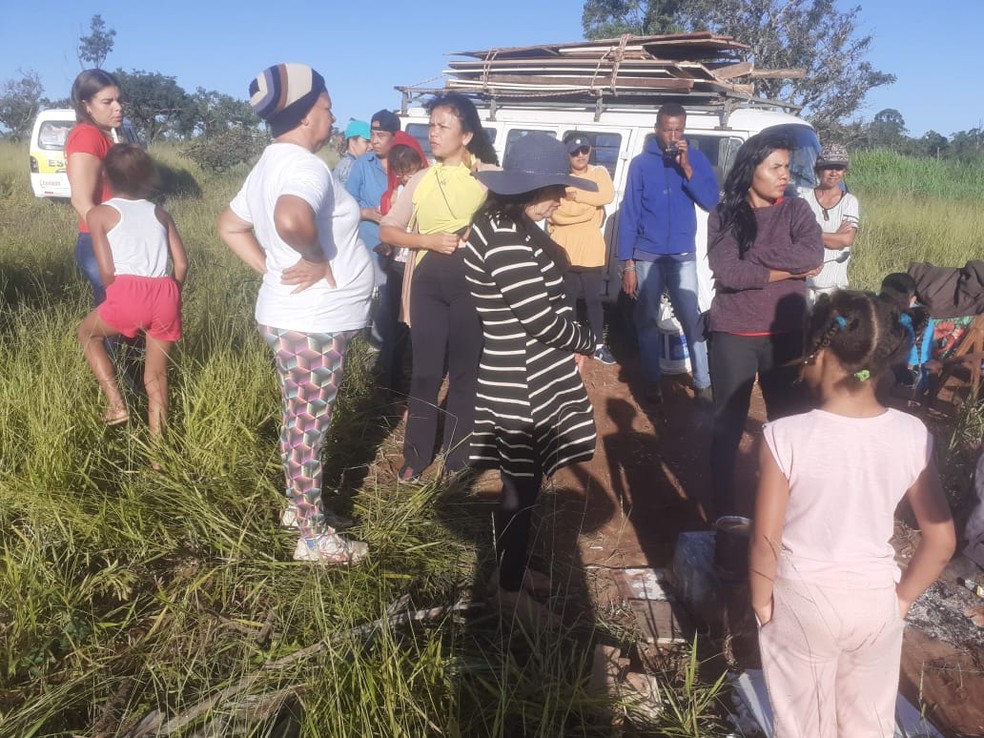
x: 365, y: 49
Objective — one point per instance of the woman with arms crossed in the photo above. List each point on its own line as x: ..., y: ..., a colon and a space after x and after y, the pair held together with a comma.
x: 761, y: 247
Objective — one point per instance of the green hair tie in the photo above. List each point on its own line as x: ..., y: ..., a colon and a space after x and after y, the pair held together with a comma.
x: 863, y: 375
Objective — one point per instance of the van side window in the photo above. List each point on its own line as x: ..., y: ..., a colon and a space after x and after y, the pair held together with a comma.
x: 419, y: 132
x: 52, y: 134
x: 604, y: 148
x: 517, y: 133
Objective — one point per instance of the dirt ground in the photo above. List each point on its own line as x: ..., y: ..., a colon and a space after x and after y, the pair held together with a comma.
x: 649, y: 480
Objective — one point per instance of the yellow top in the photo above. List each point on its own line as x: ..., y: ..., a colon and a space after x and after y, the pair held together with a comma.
x: 576, y: 225
x: 445, y: 200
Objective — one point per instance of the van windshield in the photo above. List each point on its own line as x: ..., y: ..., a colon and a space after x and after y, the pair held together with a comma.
x: 52, y: 134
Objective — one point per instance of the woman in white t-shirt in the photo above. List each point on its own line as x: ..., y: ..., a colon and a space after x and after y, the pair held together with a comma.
x: 291, y: 224
x: 838, y: 214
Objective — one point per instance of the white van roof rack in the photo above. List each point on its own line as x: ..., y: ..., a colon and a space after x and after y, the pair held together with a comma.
x: 699, y: 70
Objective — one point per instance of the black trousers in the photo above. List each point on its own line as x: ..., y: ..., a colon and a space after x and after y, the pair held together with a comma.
x: 394, y: 354
x: 586, y: 284
x: 444, y: 325
x: 513, y: 520
x: 734, y: 362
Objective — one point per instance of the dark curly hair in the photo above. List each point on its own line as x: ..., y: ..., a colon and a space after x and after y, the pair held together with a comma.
x: 864, y: 332
x: 464, y: 110
x: 737, y: 215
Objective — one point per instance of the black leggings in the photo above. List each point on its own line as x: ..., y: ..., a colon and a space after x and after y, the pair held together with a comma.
x: 586, y: 284
x: 443, y: 323
x: 734, y: 362
x: 513, y: 520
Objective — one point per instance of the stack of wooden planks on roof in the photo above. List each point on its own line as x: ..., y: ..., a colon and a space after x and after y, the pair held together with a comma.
x: 691, y: 65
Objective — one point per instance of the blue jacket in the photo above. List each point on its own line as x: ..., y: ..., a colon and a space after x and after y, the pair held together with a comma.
x: 657, y: 216
x: 367, y: 183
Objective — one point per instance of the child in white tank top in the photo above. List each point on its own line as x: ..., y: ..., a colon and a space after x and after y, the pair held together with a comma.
x: 825, y: 588
x: 132, y: 239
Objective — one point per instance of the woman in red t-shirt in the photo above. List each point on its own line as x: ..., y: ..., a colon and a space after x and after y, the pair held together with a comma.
x: 96, y: 99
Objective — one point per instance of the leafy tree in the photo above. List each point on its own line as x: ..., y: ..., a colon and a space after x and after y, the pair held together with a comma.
x: 887, y: 129
x: 20, y: 101
x: 225, y: 149
x: 216, y: 113
x: 611, y: 18
x: 94, y: 48
x: 156, y: 104
x: 812, y: 35
x: 967, y: 145
x: 931, y: 144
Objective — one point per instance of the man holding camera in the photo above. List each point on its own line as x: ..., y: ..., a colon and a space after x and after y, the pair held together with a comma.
x: 657, y: 243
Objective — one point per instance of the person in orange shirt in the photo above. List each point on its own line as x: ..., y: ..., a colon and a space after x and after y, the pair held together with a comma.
x: 576, y: 227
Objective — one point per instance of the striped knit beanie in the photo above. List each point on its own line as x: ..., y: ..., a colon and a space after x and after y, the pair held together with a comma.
x: 284, y: 93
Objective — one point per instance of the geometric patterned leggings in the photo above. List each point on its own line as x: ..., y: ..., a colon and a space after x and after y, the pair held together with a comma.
x: 309, y: 366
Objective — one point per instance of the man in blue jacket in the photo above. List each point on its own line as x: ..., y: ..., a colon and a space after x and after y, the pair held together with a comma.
x: 656, y: 242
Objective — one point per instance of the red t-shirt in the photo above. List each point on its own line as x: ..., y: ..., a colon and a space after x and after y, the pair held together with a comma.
x: 85, y: 138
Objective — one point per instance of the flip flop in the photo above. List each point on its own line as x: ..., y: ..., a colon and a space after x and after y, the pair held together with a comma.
x: 117, y: 419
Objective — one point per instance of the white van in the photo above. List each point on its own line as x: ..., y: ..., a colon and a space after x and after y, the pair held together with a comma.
x: 619, y: 133
x: 48, y: 174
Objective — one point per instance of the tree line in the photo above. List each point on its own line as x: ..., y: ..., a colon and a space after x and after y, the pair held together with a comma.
x: 220, y: 130
x: 887, y: 130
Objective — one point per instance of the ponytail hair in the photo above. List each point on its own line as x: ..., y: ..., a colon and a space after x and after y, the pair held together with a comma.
x: 865, y: 333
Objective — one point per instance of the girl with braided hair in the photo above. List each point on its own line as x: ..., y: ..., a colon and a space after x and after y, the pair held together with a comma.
x: 828, y: 596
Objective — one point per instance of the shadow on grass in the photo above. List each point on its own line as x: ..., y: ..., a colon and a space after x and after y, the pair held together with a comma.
x: 523, y: 676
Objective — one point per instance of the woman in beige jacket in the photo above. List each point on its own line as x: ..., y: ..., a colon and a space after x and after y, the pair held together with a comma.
x: 576, y: 226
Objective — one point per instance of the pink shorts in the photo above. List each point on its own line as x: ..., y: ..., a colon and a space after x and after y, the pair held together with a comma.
x: 149, y: 304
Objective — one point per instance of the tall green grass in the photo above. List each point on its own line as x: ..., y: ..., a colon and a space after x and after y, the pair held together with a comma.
x: 914, y: 210
x: 126, y: 592
x: 883, y: 172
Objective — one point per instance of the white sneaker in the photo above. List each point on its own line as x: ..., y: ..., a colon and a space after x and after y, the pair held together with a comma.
x: 331, y: 549
x: 288, y: 519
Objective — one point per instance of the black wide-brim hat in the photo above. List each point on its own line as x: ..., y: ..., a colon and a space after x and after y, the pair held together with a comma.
x: 535, y: 161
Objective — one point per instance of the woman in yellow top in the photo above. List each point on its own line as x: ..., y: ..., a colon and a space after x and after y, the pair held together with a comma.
x: 576, y: 226
x: 432, y: 215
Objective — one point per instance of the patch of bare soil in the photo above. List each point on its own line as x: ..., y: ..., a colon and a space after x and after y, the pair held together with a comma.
x: 649, y: 481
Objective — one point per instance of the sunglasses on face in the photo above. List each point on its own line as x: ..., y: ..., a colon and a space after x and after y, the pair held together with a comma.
x: 835, y: 167
x: 583, y: 151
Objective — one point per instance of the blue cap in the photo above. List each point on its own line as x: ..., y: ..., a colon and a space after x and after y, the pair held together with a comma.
x: 358, y: 128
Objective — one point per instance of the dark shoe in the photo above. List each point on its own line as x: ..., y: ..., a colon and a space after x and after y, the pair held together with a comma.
x: 603, y: 355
